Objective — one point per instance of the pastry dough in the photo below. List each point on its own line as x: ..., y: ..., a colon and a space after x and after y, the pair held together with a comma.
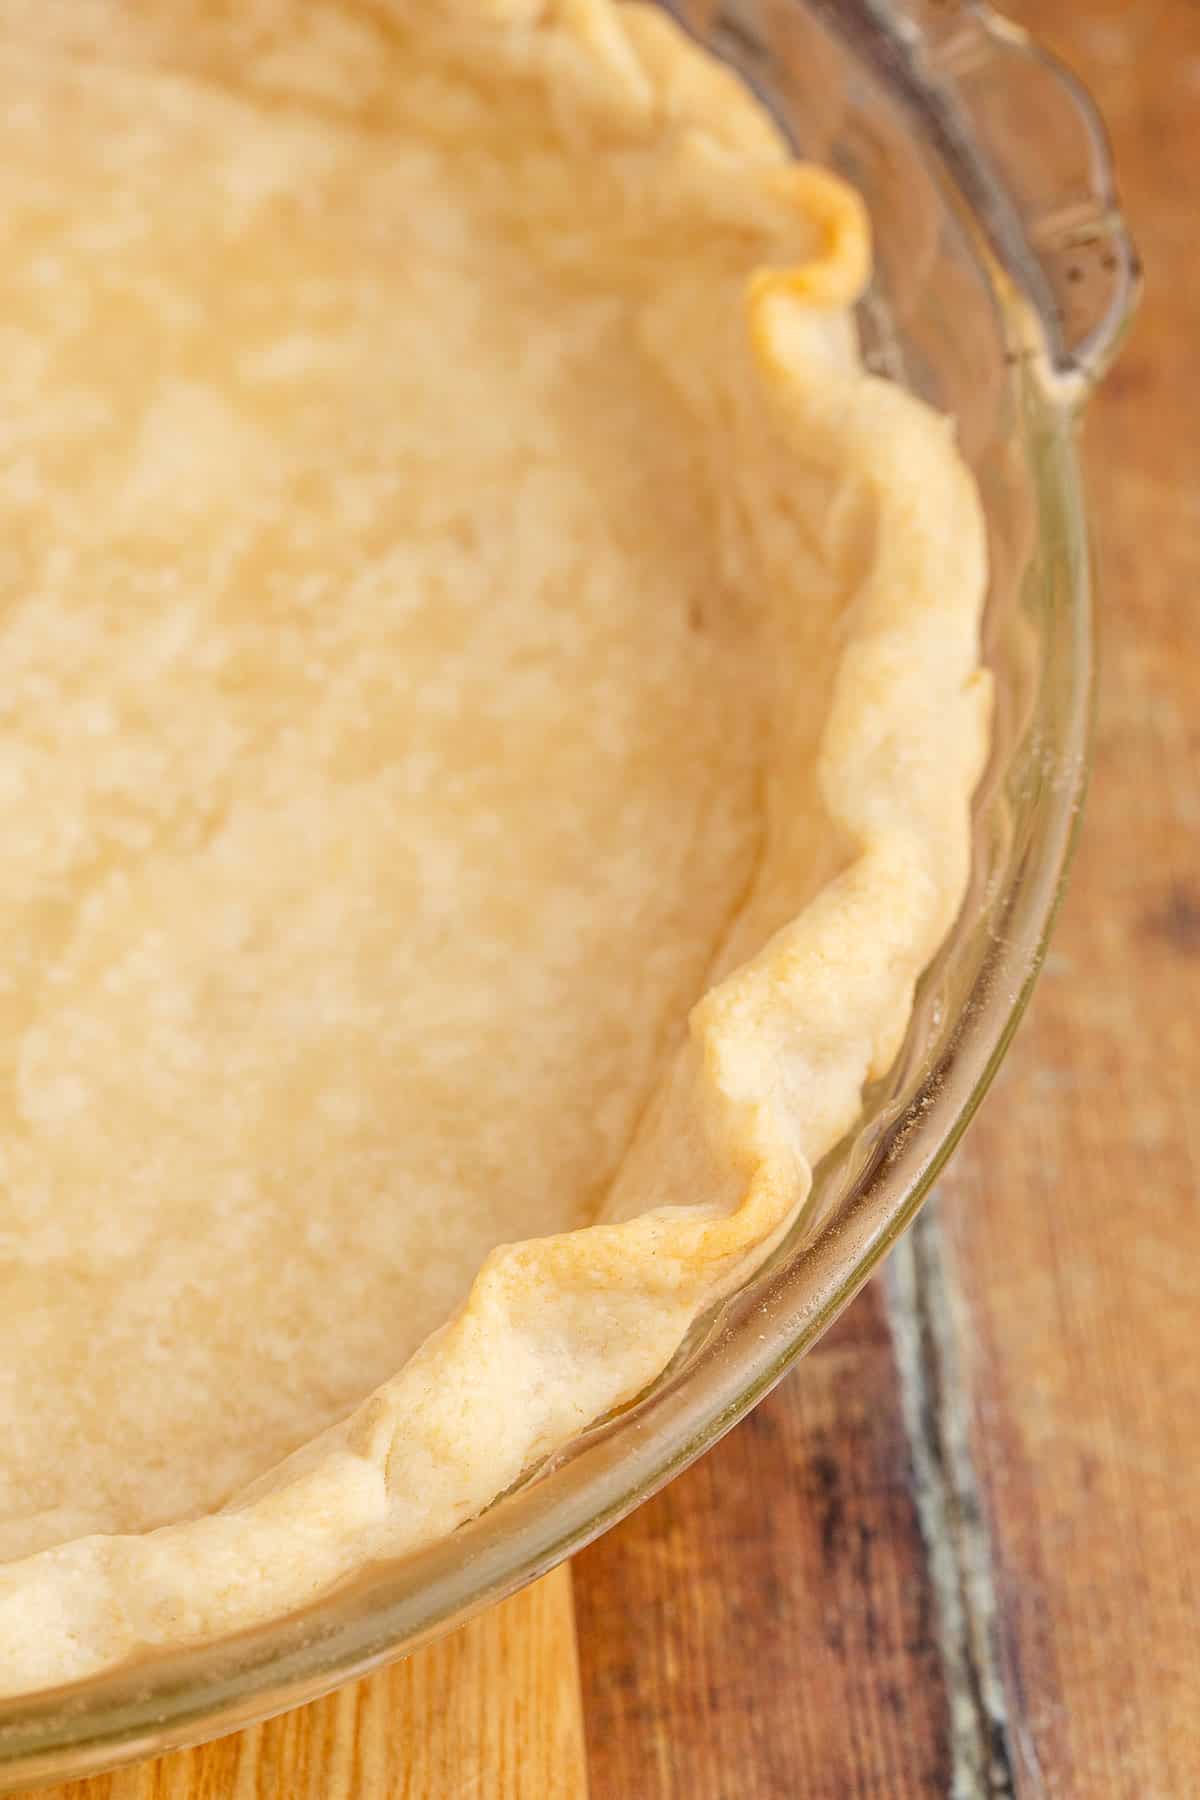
x: 491, y: 707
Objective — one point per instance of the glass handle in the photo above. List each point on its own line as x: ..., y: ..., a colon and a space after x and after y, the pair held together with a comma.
x: 1015, y: 130
x: 1027, y: 144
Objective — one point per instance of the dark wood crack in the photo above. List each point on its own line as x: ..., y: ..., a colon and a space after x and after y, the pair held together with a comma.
x: 924, y: 1313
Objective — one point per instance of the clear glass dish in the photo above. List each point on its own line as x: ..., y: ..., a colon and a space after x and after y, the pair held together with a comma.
x: 1004, y: 279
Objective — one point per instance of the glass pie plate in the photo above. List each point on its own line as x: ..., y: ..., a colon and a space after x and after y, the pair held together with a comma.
x: 1004, y: 278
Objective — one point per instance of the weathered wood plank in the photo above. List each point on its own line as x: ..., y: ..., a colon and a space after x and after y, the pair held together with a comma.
x: 1046, y: 1315
x: 1074, y: 1218
x: 763, y: 1627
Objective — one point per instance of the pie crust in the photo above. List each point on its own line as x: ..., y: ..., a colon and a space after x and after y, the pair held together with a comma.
x: 494, y: 705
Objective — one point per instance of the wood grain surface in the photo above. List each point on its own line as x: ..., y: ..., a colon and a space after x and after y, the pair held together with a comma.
x: 957, y: 1552
x: 962, y: 1556
x: 491, y: 1713
x: 764, y: 1626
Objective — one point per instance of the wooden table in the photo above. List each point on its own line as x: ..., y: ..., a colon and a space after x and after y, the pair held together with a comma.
x: 957, y: 1551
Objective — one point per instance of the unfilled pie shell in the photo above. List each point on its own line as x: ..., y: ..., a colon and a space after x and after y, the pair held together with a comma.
x: 852, y: 534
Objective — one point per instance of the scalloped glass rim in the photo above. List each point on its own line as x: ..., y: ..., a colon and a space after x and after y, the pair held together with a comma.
x: 866, y: 1193
x: 1003, y: 113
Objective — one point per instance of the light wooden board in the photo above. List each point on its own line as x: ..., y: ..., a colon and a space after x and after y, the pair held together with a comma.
x: 491, y: 1713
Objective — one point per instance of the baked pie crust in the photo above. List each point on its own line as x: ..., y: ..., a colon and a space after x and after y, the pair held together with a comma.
x: 492, y: 703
